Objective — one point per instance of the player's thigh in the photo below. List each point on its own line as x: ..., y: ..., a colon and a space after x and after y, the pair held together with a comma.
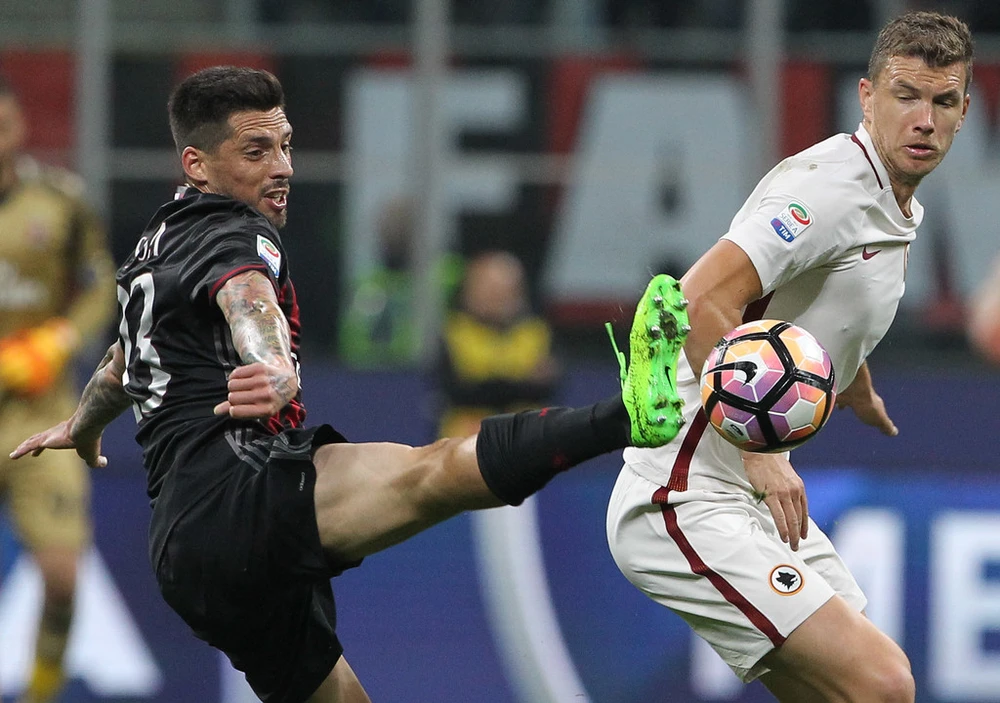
x: 819, y: 553
x: 718, y: 565
x: 839, y: 653
x: 49, y: 501
x: 341, y: 686
x: 370, y: 496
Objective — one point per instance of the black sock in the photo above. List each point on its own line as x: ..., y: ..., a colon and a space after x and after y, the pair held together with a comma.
x: 519, y: 453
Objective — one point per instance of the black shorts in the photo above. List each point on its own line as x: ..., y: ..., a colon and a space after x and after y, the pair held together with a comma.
x: 244, y: 567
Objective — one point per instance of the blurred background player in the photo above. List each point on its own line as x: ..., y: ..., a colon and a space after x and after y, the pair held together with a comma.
x: 496, y: 355
x: 377, y: 329
x: 984, y: 317
x: 56, y: 290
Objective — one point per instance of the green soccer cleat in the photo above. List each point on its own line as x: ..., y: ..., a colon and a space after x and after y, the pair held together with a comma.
x: 649, y: 386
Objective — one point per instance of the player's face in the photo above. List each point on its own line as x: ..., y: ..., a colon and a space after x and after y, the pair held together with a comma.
x: 913, y: 112
x: 11, y: 130
x: 254, y: 163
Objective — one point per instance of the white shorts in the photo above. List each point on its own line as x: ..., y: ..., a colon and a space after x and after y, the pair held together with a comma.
x: 721, y: 566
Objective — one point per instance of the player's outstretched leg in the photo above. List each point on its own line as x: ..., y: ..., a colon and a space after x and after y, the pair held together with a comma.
x: 649, y: 387
x: 360, y: 511
x: 513, y: 456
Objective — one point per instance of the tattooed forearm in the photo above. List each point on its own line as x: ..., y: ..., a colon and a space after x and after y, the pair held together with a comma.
x: 259, y: 329
x: 259, y: 333
x: 103, y: 398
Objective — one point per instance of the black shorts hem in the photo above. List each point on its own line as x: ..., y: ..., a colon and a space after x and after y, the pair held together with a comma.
x: 246, y: 570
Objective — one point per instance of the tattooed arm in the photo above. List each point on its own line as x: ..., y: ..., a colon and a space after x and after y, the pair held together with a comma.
x: 262, y: 339
x: 103, y: 400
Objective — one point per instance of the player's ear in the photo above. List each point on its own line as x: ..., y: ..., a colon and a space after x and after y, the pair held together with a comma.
x: 866, y: 92
x: 193, y: 162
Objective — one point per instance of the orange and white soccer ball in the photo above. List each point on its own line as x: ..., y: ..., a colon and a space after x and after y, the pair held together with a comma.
x: 768, y: 386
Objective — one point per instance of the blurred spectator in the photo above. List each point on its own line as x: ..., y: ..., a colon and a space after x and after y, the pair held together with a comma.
x: 496, y: 354
x: 377, y: 328
x: 984, y: 317
x: 57, y: 287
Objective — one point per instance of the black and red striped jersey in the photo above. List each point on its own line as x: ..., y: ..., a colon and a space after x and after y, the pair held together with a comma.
x: 178, y: 347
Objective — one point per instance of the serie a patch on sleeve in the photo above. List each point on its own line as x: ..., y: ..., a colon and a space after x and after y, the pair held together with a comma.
x: 269, y: 253
x: 791, y: 221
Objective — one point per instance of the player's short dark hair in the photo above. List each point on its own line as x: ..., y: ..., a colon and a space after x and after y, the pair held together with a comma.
x: 200, y: 106
x: 939, y: 40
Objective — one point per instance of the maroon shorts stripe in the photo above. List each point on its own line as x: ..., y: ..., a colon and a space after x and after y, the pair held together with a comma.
x: 757, y: 618
x: 678, y: 482
x: 682, y: 463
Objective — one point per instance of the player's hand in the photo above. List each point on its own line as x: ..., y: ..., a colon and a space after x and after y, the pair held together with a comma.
x: 775, y: 482
x: 869, y: 408
x: 60, y: 437
x: 258, y: 391
x: 868, y: 405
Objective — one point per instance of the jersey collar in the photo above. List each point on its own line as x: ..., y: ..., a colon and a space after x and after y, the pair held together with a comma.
x: 864, y: 140
x: 183, y: 191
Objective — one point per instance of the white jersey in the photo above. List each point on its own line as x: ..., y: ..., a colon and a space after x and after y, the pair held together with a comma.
x: 829, y: 242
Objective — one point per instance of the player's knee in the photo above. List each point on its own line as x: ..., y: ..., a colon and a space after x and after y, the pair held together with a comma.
x: 441, y: 480
x: 59, y: 591
x: 899, y: 686
x: 890, y: 682
x: 59, y: 572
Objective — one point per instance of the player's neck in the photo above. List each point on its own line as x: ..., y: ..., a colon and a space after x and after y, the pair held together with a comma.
x: 903, y: 192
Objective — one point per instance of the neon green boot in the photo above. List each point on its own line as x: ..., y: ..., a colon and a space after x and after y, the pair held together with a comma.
x: 649, y: 386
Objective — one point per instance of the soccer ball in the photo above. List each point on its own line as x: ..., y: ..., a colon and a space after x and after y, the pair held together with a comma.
x: 768, y: 386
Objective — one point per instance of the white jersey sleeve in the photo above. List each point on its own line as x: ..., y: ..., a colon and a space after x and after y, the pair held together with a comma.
x: 796, y: 220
